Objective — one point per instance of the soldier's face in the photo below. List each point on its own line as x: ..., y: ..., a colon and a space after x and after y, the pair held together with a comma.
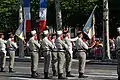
x: 81, y: 35
x: 11, y: 35
x: 35, y: 34
x: 2, y: 36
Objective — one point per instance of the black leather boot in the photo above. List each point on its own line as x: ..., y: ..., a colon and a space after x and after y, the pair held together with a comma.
x: 2, y: 69
x: 46, y: 75
x: 34, y: 74
x: 11, y: 70
x: 60, y: 76
x: 68, y: 74
x: 54, y: 73
x: 82, y: 76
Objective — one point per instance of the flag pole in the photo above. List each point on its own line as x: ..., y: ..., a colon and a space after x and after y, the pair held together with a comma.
x: 21, y: 43
x: 106, y: 47
x: 58, y: 15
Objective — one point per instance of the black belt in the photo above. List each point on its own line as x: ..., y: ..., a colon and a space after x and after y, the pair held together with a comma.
x: 46, y: 50
x: 61, y: 51
x: 11, y: 49
x: 34, y: 50
x: 80, y: 50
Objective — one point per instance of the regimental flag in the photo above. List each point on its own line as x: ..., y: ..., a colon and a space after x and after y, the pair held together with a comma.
x: 20, y: 31
x: 43, y: 15
x: 89, y: 28
x: 27, y: 17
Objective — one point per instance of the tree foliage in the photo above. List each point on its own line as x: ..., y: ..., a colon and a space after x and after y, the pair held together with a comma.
x: 74, y: 13
x: 8, y: 14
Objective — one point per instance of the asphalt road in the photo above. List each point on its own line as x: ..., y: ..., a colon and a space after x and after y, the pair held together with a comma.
x: 94, y: 72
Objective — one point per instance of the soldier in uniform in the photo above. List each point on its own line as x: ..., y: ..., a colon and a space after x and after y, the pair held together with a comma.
x: 2, y: 52
x: 60, y: 45
x: 54, y: 56
x: 69, y: 53
x: 117, y: 44
x: 34, y: 47
x: 46, y: 46
x: 11, y: 47
x: 81, y: 54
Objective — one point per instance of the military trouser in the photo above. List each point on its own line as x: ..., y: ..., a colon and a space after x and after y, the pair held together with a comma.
x: 118, y: 66
x: 68, y: 61
x: 54, y: 61
x: 12, y: 58
x: 81, y: 55
x: 47, y: 60
x: 3, y: 59
x: 61, y: 62
x: 34, y: 60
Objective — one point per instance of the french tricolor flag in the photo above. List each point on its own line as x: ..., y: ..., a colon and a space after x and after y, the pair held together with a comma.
x: 27, y: 17
x: 20, y: 31
x: 43, y: 15
x: 89, y: 28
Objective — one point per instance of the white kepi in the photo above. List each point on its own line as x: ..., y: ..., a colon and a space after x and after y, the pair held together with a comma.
x: 33, y: 32
x: 45, y: 32
x: 59, y: 32
x: 118, y: 29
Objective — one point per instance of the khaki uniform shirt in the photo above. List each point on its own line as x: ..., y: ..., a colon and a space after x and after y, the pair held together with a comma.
x: 3, y: 45
x: 60, y: 45
x: 117, y: 43
x: 11, y: 45
x: 80, y: 44
x: 33, y: 44
x: 46, y: 44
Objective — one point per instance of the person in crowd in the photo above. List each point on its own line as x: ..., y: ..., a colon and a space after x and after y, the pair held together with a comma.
x: 69, y: 53
x: 112, y: 48
x: 117, y: 44
x: 61, y: 47
x: 47, y: 47
x: 34, y: 47
x: 11, y: 47
x: 2, y: 52
x: 81, y: 54
x: 54, y: 55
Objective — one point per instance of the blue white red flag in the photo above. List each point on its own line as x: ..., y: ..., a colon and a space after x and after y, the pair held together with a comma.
x: 27, y: 17
x: 89, y: 28
x: 20, y: 31
x: 43, y: 15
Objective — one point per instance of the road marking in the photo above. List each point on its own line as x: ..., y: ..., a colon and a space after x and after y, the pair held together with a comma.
x: 94, y: 75
x: 102, y: 76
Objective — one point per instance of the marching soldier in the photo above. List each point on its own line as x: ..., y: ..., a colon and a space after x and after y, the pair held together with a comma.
x: 117, y: 43
x: 69, y: 54
x: 2, y: 52
x: 11, y: 46
x: 46, y: 46
x: 54, y: 56
x: 34, y: 47
x: 60, y: 45
x: 81, y: 54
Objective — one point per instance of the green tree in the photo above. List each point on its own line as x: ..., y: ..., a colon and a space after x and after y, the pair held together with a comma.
x: 74, y: 12
x: 9, y: 14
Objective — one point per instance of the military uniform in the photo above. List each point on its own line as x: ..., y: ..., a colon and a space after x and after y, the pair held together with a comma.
x: 60, y: 45
x: 69, y: 55
x: 34, y: 47
x: 54, y: 58
x: 81, y: 55
x: 2, y: 54
x: 11, y: 46
x: 117, y: 44
x: 46, y: 46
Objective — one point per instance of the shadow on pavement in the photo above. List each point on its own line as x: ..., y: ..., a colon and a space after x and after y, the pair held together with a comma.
x: 20, y: 75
